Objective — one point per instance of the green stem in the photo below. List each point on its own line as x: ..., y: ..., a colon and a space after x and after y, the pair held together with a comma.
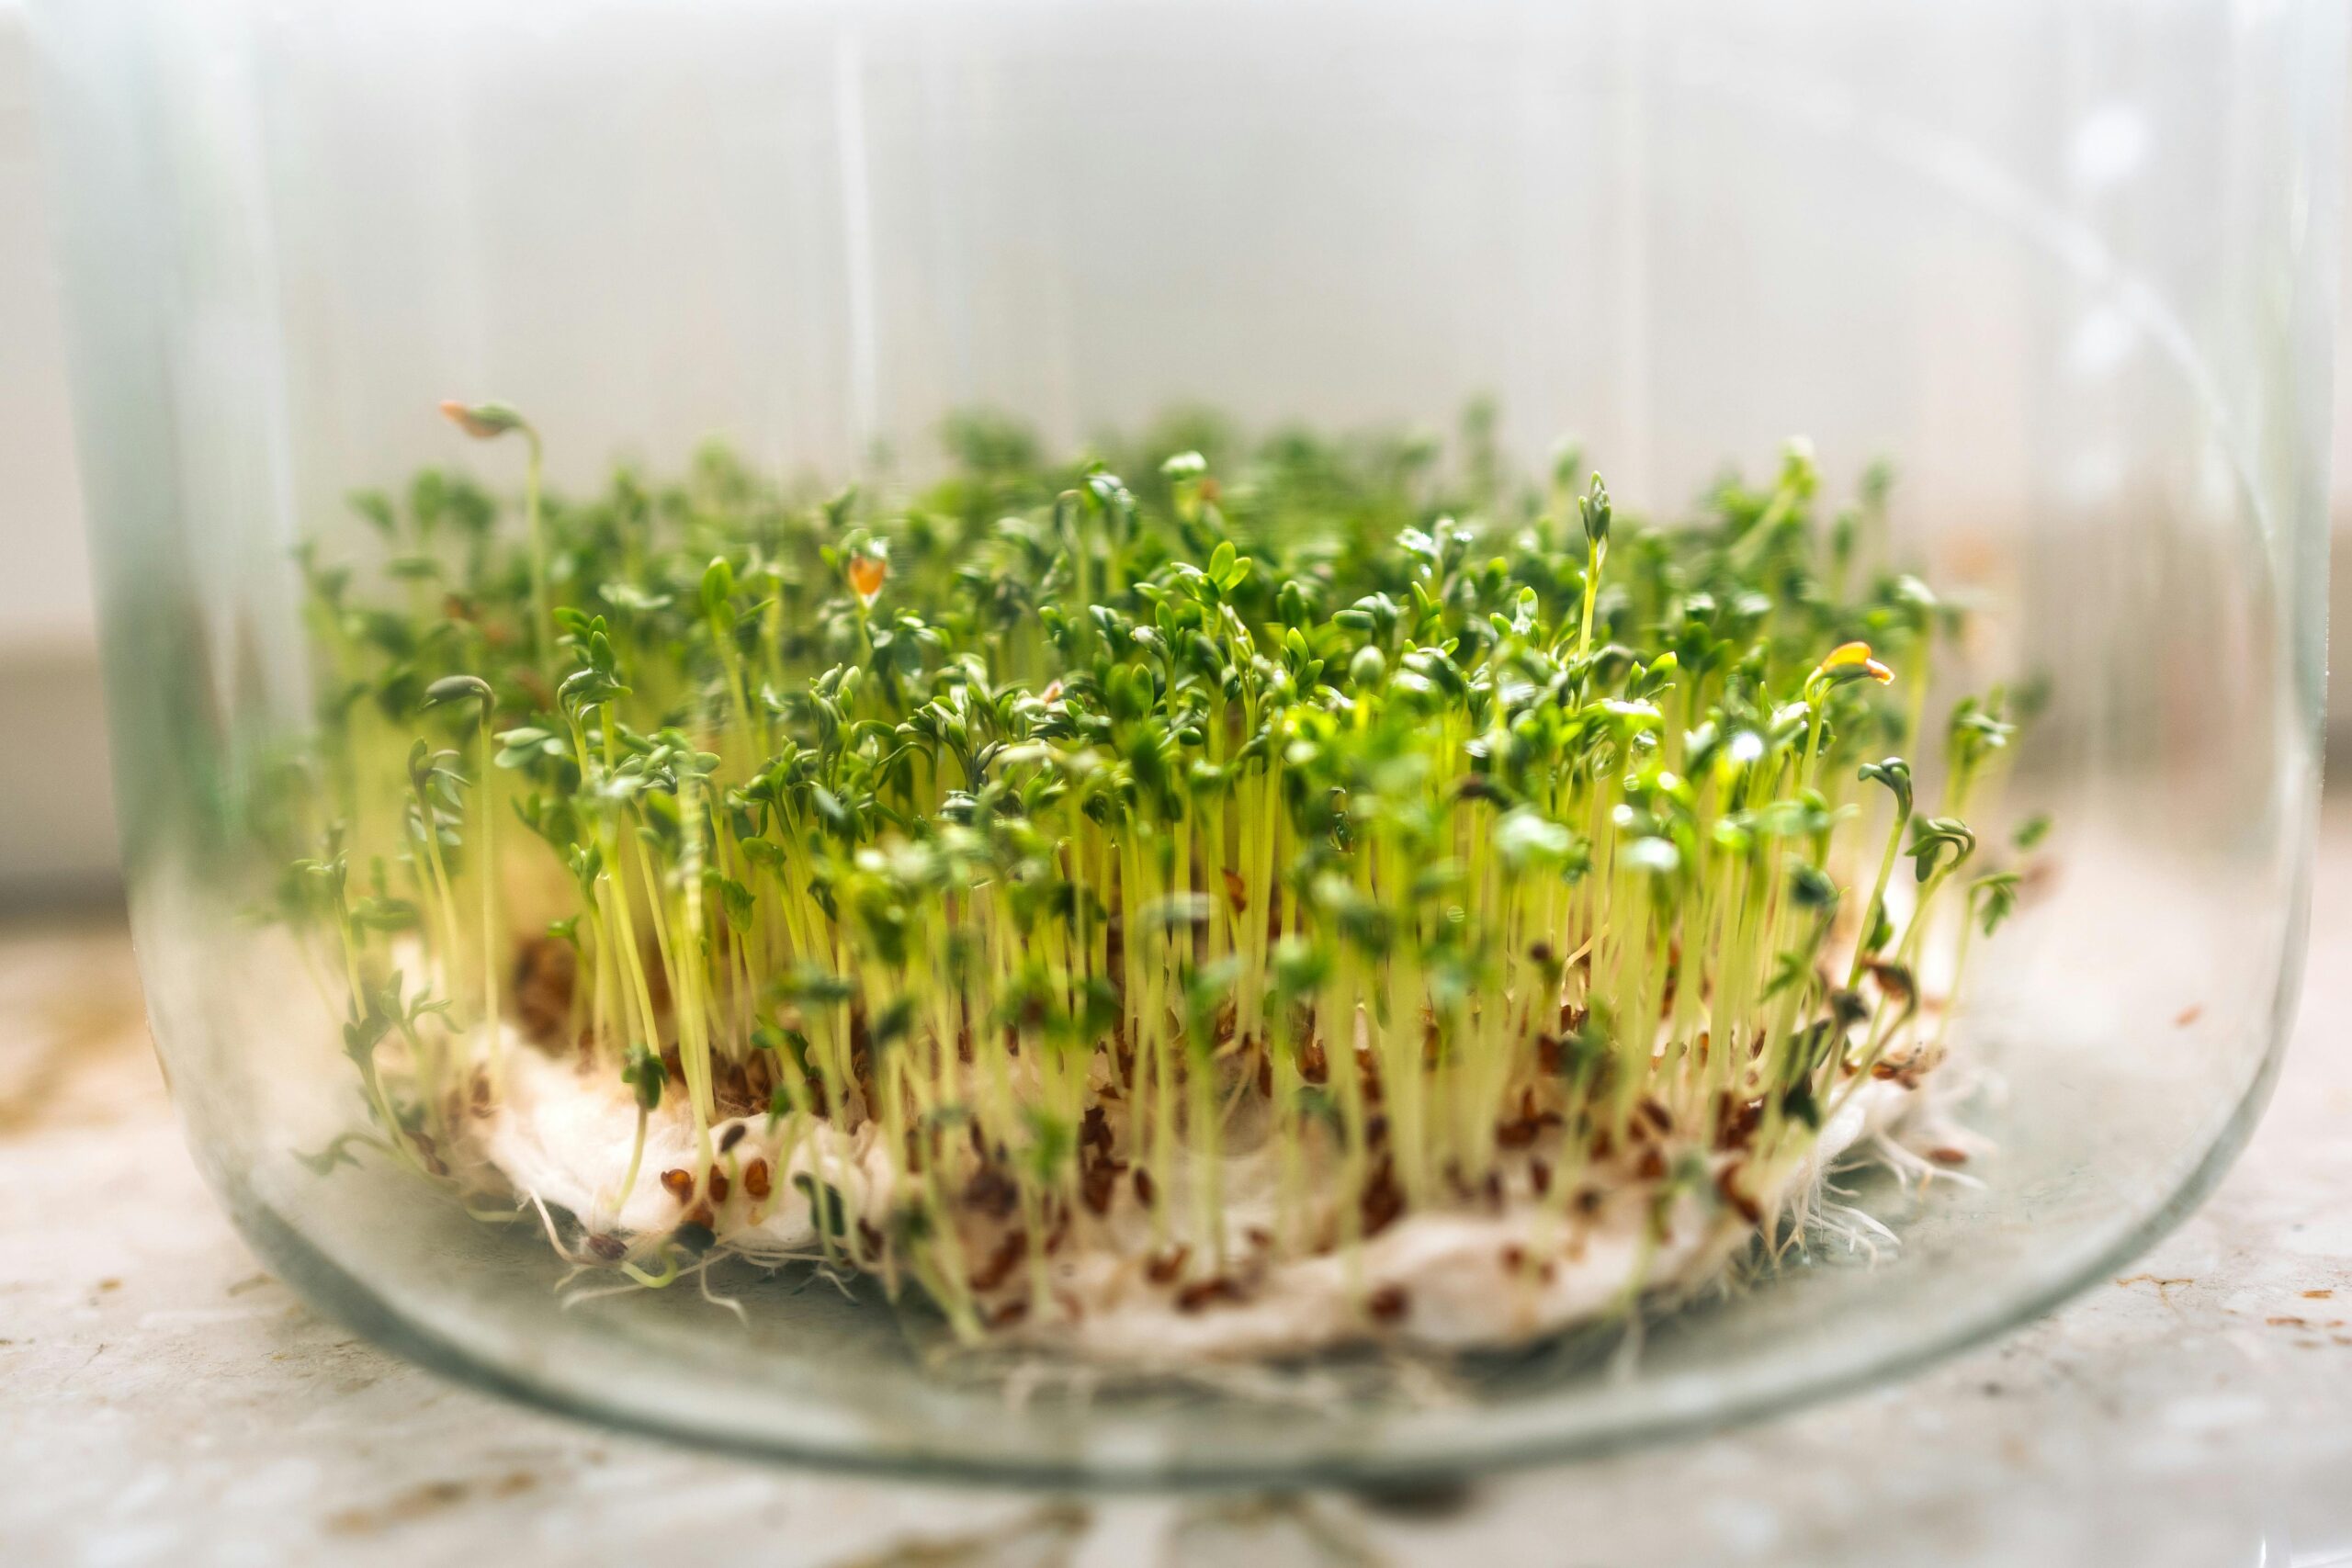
x: 542, y: 616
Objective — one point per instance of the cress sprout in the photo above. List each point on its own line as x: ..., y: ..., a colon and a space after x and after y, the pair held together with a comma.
x: 1209, y: 875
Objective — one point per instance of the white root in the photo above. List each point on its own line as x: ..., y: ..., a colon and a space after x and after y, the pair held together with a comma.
x: 1443, y: 1278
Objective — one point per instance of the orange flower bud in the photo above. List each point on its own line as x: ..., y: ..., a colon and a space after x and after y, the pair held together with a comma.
x: 867, y: 573
x: 484, y: 421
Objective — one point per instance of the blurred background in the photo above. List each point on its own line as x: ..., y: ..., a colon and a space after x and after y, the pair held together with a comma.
x: 2167, y: 1416
x: 57, y: 833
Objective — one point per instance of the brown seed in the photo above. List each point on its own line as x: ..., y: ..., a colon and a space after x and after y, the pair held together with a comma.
x: 1389, y: 1304
x: 1193, y: 1297
x: 1384, y: 1201
x: 992, y: 1192
x: 732, y: 1136
x: 1949, y: 1155
x: 1164, y: 1267
x: 1057, y: 1214
x: 1002, y: 1261
x: 1728, y: 1183
x: 1145, y: 1189
x: 545, y: 972
x: 679, y: 1184
x: 718, y: 1187
x: 611, y: 1249
x: 1895, y: 980
x: 756, y: 1178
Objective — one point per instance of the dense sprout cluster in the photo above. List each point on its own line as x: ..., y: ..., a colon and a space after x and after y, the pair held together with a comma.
x: 1067, y: 853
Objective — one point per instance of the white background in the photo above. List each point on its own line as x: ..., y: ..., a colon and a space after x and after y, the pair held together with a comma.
x: 55, y: 814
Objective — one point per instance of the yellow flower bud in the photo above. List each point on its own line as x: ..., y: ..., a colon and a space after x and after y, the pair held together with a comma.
x: 1856, y: 657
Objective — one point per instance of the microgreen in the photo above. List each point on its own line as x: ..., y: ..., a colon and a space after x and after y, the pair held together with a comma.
x: 1420, y: 827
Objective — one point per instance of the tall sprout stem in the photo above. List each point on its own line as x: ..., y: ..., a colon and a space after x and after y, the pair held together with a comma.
x: 542, y: 614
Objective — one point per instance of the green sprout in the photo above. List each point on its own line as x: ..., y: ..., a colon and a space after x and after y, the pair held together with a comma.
x: 1073, y: 849
x: 488, y: 421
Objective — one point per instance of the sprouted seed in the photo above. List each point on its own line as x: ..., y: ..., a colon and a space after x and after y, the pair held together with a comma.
x: 1289, y: 898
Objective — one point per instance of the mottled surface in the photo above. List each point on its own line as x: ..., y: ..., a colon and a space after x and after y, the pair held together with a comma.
x: 162, y: 1400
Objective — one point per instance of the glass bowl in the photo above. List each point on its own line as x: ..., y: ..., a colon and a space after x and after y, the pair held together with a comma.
x: 2067, y: 268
